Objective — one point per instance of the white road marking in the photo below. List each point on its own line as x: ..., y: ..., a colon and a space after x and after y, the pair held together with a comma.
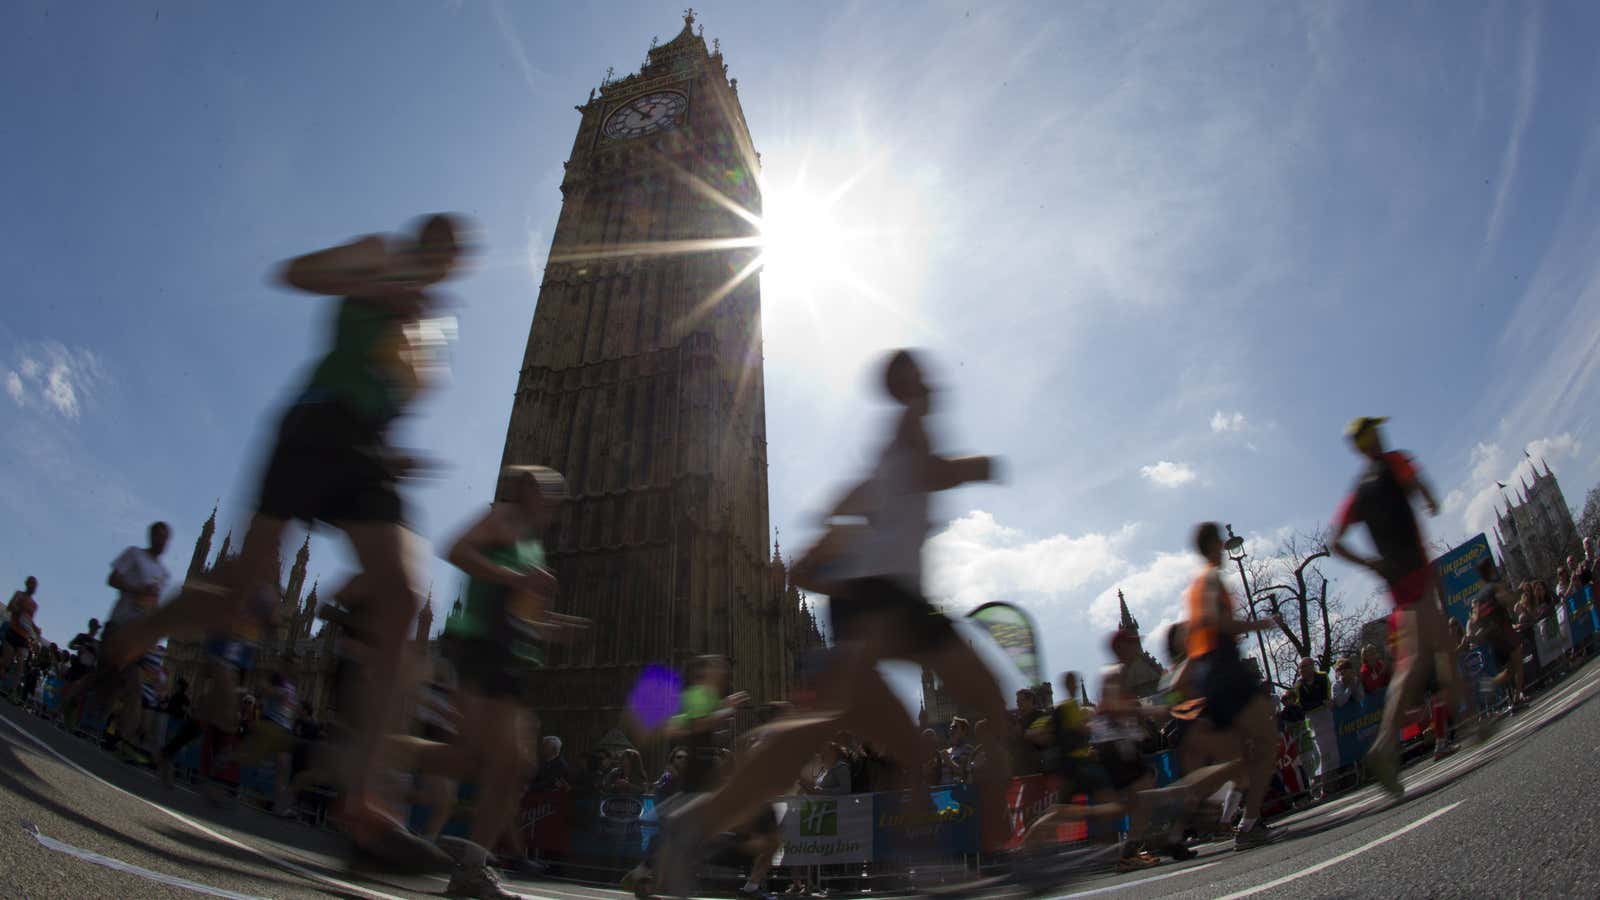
x: 1348, y: 854
x: 1122, y: 886
x: 118, y: 865
x: 211, y: 833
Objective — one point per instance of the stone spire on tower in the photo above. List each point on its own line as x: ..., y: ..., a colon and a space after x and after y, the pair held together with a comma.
x: 1128, y: 623
x: 297, y: 580
x: 425, y: 618
x: 202, y: 545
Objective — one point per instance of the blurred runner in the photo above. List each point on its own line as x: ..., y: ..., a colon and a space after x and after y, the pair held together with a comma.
x: 1236, y: 706
x: 1381, y: 500
x: 871, y: 565
x: 21, y: 633
x: 139, y: 578
x: 496, y: 644
x: 333, y: 463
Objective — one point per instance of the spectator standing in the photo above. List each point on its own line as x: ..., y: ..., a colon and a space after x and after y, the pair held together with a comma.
x: 1348, y: 686
x: 670, y: 781
x: 553, y: 774
x: 1375, y: 672
x: 959, y: 755
x: 1314, y: 692
x: 834, y: 780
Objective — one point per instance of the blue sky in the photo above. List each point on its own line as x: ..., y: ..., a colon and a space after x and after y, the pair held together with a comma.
x: 1161, y: 253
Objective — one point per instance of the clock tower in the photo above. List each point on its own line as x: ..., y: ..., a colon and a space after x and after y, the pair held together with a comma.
x: 642, y: 383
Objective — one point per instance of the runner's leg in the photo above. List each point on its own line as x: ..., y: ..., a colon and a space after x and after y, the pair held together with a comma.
x: 1411, y: 674
x: 386, y: 615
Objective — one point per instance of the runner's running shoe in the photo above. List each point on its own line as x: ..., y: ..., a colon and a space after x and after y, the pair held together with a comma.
x: 1386, y: 769
x: 1258, y: 836
x: 478, y: 882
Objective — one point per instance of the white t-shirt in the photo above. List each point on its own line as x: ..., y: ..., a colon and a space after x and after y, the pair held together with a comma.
x: 136, y: 566
x: 891, y: 544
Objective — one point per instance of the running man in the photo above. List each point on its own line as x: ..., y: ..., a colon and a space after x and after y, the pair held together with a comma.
x: 138, y: 577
x: 21, y: 633
x: 701, y: 726
x: 333, y: 463
x: 496, y: 645
x: 874, y: 575
x: 1491, y: 628
x: 1236, y: 706
x: 1381, y: 500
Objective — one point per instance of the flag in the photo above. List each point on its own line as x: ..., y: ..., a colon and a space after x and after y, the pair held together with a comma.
x: 1500, y: 485
x: 1014, y: 632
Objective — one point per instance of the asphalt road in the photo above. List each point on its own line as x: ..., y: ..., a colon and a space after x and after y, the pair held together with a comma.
x: 1515, y: 817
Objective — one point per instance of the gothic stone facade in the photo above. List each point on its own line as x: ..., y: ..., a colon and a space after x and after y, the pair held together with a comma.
x: 642, y: 383
x: 290, y: 647
x: 1536, y: 534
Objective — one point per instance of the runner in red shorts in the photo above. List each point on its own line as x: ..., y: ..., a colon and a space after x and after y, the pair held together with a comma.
x: 1381, y: 500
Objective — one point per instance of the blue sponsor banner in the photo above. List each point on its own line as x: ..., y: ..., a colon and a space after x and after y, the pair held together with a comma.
x: 1581, y: 615
x: 1458, y: 576
x: 1356, y: 724
x: 902, y: 830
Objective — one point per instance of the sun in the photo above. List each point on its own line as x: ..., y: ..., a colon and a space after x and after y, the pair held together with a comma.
x: 803, y: 249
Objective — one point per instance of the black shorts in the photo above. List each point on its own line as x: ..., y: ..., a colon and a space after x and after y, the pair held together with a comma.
x: 328, y: 465
x: 1083, y: 775
x: 1227, y: 684
x: 489, y: 668
x: 15, y: 640
x: 924, y: 626
x: 1120, y: 769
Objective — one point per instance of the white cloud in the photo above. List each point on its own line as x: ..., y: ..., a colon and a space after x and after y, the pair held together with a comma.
x: 1223, y: 422
x: 1069, y: 582
x: 1472, y: 504
x: 55, y: 377
x: 976, y: 559
x: 1168, y: 474
x: 1154, y: 593
x: 1527, y: 90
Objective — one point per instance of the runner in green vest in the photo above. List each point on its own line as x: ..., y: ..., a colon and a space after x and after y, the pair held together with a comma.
x: 495, y: 643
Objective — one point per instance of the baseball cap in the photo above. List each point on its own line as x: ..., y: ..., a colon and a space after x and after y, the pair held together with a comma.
x: 1361, y: 423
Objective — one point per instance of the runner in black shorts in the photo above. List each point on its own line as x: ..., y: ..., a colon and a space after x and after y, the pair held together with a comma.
x: 1381, y: 500
x: 496, y: 644
x: 873, y: 574
x: 332, y: 463
x: 1491, y: 627
x: 1236, y: 706
x: 702, y: 726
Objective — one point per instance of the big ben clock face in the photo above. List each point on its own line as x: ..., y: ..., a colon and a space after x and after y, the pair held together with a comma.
x: 646, y: 114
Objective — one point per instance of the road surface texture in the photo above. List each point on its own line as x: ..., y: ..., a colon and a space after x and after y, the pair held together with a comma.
x: 1515, y: 817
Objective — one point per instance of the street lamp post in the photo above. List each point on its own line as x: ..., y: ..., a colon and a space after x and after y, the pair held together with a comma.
x: 1235, y: 547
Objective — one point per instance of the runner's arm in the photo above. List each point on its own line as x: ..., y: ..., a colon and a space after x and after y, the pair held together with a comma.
x: 118, y: 580
x: 466, y: 554
x: 1342, y: 550
x: 337, y: 271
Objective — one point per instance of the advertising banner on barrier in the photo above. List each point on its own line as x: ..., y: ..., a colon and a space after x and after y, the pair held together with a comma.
x: 544, y: 820
x: 903, y: 830
x: 824, y: 830
x: 1028, y: 798
x: 1581, y: 617
x: 1356, y: 724
x: 1458, y: 576
x: 1552, y: 636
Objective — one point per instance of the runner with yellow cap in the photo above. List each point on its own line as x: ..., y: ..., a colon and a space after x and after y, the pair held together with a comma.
x: 1381, y: 500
